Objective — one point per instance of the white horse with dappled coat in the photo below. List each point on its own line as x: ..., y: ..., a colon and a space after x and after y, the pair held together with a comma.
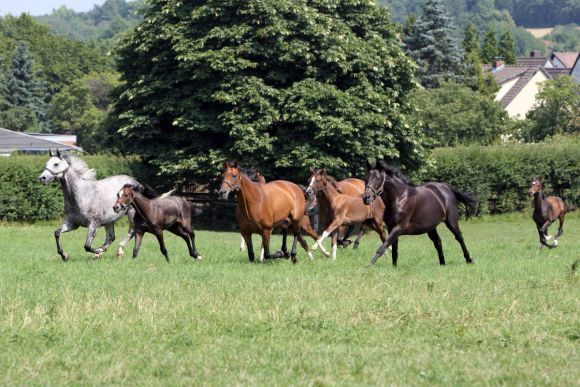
x: 87, y: 201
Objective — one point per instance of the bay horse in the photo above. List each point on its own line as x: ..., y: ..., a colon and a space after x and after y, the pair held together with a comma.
x: 154, y: 214
x: 349, y: 186
x: 414, y: 210
x: 346, y: 210
x: 87, y: 201
x: 262, y: 207
x: 546, y: 211
x: 256, y: 176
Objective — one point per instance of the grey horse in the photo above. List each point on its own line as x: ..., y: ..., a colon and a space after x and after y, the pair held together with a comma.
x: 87, y: 201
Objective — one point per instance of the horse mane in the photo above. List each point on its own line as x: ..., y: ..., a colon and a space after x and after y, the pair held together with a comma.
x: 334, y: 183
x: 252, y: 173
x: 394, y: 172
x: 143, y: 189
x: 80, y: 167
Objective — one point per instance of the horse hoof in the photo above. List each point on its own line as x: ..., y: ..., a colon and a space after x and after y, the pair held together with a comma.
x: 314, y: 247
x: 355, y: 246
x: 64, y: 257
x: 310, y: 255
x: 199, y: 257
x: 97, y: 256
x: 345, y: 242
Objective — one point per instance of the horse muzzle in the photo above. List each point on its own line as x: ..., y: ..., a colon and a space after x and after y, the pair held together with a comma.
x: 118, y: 207
x: 46, y: 177
x: 223, y: 194
x: 367, y: 199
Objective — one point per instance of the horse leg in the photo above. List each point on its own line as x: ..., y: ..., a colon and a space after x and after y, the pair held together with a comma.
x: 284, y: 241
x: 543, y: 238
x: 434, y: 236
x: 110, y: 236
x: 345, y: 242
x: 248, y: 239
x: 130, y: 233
x: 266, y: 233
x: 393, y: 235
x: 560, y: 230
x: 329, y: 230
x: 57, y: 233
x: 162, y: 247
x: 242, y: 245
x: 395, y: 252
x: 89, y: 241
x: 194, y: 252
x: 305, y: 246
x: 361, y: 233
x: 453, y: 226
x: 293, y: 251
x: 138, y: 238
x: 334, y: 244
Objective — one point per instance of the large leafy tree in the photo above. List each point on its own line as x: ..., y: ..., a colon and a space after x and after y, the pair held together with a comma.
x: 433, y: 46
x: 454, y: 114
x: 278, y: 84
x: 557, y: 109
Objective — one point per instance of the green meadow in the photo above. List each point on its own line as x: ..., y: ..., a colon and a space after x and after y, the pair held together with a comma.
x: 511, y: 318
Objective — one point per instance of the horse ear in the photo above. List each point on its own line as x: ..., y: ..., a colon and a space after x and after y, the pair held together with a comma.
x: 235, y: 164
x: 324, y: 171
x: 50, y: 152
x: 382, y: 164
x: 58, y: 153
x: 312, y: 170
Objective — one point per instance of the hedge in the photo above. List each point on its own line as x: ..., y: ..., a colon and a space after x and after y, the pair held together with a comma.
x: 24, y: 198
x: 500, y: 176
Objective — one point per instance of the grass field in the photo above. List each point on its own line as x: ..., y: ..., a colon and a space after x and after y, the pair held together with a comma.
x: 512, y: 318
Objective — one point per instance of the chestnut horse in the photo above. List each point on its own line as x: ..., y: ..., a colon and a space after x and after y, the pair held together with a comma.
x: 349, y: 186
x: 262, y: 207
x: 546, y: 211
x: 346, y: 210
x: 155, y: 214
x: 414, y: 210
x: 256, y: 176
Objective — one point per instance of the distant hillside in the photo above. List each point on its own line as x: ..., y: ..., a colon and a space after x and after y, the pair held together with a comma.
x: 101, y: 23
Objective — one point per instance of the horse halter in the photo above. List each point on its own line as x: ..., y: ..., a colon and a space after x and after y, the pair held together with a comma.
x: 379, y: 191
x: 233, y: 188
x: 56, y: 174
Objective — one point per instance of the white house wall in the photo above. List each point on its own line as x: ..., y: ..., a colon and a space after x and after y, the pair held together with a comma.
x: 525, y: 100
x: 505, y: 88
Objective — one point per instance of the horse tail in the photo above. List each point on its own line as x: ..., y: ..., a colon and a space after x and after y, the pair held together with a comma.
x: 468, y: 200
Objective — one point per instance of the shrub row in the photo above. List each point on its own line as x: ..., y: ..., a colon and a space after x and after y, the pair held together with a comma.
x: 500, y: 176
x: 24, y: 198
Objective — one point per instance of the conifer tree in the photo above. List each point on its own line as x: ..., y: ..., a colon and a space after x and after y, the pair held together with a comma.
x: 24, y: 89
x: 471, y: 40
x: 433, y: 46
x: 489, y: 50
x: 507, y: 47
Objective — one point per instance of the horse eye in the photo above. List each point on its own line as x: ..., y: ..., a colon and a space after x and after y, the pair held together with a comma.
x: 55, y: 165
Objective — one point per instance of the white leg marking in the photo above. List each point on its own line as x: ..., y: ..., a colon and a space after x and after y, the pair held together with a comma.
x: 262, y: 255
x: 243, y: 245
x: 555, y: 242
x: 310, y: 255
x: 334, y: 247
x: 548, y: 237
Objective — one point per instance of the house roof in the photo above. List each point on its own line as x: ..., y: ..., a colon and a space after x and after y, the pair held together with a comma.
x: 568, y: 58
x: 531, y: 60
x: 555, y: 72
x: 11, y: 141
x: 507, y: 73
x: 525, y: 74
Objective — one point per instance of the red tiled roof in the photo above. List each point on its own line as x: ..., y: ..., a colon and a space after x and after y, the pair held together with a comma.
x: 567, y: 58
x: 531, y: 61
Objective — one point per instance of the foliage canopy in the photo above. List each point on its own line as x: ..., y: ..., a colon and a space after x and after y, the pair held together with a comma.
x: 278, y: 84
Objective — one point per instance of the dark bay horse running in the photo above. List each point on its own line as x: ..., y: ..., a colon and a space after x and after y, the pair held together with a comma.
x: 414, y: 210
x: 262, y: 207
x: 155, y: 214
x: 546, y: 211
x: 346, y: 210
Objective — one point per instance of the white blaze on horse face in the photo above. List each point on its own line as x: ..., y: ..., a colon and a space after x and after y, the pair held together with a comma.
x: 120, y: 193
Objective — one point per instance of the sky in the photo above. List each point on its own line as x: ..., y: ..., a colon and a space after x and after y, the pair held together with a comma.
x: 43, y: 7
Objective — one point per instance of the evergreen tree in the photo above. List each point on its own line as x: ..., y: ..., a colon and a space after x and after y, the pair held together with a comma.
x: 490, y: 49
x: 433, y: 46
x: 24, y: 89
x: 4, y: 104
x: 507, y: 48
x: 280, y: 85
x: 471, y: 40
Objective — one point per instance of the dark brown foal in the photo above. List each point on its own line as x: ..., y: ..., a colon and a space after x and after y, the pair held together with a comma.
x: 155, y: 215
x: 546, y: 211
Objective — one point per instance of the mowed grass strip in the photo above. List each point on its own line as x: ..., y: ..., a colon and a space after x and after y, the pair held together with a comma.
x: 512, y: 318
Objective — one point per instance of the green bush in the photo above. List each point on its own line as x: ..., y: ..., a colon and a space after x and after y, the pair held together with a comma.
x: 500, y: 176
x: 24, y: 198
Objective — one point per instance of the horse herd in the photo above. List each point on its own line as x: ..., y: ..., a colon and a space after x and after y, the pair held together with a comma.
x: 385, y: 199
